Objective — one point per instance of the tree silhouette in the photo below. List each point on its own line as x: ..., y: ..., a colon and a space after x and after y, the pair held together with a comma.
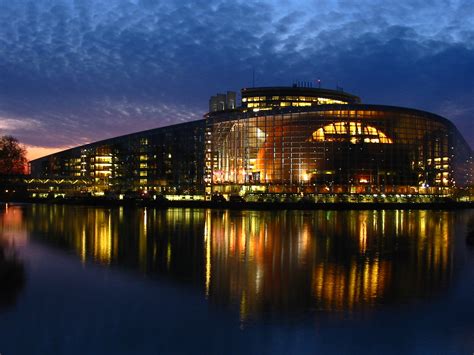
x: 12, y: 156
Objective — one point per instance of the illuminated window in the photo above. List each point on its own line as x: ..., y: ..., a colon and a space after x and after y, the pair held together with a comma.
x: 324, y: 101
x: 301, y: 104
x: 354, y: 132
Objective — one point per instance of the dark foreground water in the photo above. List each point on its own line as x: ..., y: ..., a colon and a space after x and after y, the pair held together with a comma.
x: 84, y: 280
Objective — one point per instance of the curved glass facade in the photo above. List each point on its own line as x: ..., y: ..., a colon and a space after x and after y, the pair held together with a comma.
x: 163, y: 160
x: 333, y: 149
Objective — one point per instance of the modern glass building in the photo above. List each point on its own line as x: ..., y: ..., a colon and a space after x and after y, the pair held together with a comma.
x: 283, y: 142
x: 319, y: 142
x: 168, y: 160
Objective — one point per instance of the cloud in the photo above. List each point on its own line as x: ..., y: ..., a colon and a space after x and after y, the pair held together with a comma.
x: 9, y: 124
x: 53, y: 122
x: 82, y: 70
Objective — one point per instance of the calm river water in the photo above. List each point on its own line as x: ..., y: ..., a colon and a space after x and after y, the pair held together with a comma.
x: 86, y: 280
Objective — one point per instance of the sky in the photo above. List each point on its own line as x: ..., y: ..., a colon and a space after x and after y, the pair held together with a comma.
x: 77, y: 71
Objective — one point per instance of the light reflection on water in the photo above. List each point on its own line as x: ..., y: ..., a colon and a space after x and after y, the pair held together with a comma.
x: 261, y: 263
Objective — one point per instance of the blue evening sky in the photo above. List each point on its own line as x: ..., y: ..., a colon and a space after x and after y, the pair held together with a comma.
x: 75, y: 71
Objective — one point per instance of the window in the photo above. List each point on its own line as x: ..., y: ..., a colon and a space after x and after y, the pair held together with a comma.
x: 355, y: 132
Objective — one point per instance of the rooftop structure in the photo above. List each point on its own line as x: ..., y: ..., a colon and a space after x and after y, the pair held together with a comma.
x: 268, y: 98
x: 221, y: 102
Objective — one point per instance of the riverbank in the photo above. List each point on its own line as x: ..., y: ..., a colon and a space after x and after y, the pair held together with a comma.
x: 242, y: 205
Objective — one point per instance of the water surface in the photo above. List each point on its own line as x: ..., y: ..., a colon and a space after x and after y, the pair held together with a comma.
x: 132, y: 281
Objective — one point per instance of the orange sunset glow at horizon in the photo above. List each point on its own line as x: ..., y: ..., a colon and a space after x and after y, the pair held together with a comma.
x: 35, y: 152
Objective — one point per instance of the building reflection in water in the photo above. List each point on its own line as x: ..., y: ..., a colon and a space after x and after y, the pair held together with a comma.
x: 263, y: 262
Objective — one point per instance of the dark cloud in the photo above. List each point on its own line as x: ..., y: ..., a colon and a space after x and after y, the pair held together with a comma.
x: 73, y: 71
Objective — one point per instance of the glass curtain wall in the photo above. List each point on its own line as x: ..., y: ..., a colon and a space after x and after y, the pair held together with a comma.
x: 369, y: 150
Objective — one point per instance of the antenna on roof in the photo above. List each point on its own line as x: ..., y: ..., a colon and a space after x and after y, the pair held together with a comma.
x: 253, y: 77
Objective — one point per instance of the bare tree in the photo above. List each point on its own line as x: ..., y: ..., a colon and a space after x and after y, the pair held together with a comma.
x: 12, y: 156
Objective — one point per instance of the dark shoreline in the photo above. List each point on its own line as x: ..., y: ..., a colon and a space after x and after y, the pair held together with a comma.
x: 100, y: 202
